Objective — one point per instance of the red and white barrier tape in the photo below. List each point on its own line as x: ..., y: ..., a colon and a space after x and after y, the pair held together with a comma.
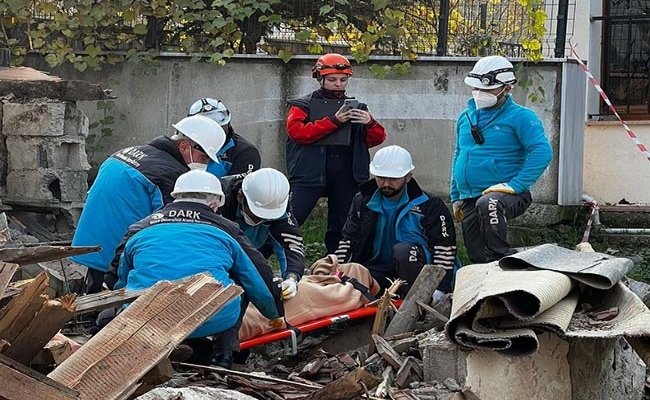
x: 600, y: 91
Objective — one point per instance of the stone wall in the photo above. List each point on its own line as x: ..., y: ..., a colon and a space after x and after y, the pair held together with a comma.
x: 43, y: 162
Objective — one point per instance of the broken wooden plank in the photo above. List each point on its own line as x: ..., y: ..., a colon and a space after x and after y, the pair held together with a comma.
x: 409, y: 372
x: 431, y: 311
x: 404, y: 345
x: 423, y: 287
x: 7, y: 271
x: 386, y: 352
x: 20, y: 382
x: 225, y: 371
x: 24, y: 306
x: 351, y: 385
x: 384, y: 304
x: 104, y: 300
x: 37, y: 331
x: 111, y: 363
x: 53, y: 353
x: 32, y: 255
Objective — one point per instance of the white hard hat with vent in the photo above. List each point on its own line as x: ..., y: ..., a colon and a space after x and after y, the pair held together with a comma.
x: 491, y: 72
x: 199, y: 181
x: 211, y: 108
x: 204, y: 132
x: 391, y: 162
x: 267, y: 193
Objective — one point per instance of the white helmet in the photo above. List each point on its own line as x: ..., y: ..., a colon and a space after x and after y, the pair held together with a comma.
x: 204, y: 132
x: 199, y: 181
x: 211, y: 108
x: 267, y: 193
x: 491, y: 72
x: 391, y: 162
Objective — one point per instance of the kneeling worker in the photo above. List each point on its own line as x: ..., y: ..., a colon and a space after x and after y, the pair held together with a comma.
x: 185, y: 238
x: 259, y: 203
x: 394, y: 228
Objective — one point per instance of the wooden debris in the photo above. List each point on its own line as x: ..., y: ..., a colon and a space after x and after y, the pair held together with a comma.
x: 312, y: 367
x: 104, y: 300
x: 7, y: 271
x: 20, y: 382
x: 349, y: 386
x: 431, y: 311
x: 384, y: 304
x: 409, y: 372
x: 32, y: 255
x: 30, y: 320
x: 54, y: 353
x: 423, y: 287
x: 158, y: 375
x: 272, y: 379
x: 404, y: 345
x: 386, y: 352
x: 110, y: 364
x: 387, y: 379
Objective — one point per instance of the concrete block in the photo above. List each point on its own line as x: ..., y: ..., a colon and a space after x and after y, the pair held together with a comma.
x: 75, y: 123
x: 48, y: 185
x: 584, y: 369
x: 442, y: 359
x: 605, y: 369
x: 33, y: 119
x: 25, y: 153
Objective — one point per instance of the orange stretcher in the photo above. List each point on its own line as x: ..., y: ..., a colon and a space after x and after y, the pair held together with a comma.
x: 292, y: 334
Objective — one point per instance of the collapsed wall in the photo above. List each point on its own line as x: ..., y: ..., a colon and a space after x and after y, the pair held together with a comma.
x: 43, y: 162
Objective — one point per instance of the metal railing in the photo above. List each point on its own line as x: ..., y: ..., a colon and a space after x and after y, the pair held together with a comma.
x: 430, y: 27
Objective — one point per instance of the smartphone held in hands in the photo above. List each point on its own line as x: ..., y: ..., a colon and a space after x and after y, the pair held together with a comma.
x: 350, y: 104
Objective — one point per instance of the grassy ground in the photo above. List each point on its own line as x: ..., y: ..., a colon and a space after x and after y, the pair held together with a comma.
x: 564, y: 235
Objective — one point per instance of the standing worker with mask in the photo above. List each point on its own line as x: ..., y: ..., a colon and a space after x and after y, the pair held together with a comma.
x: 185, y: 238
x: 327, y: 146
x: 238, y: 156
x: 394, y: 228
x: 501, y: 151
x: 136, y: 181
x: 259, y: 203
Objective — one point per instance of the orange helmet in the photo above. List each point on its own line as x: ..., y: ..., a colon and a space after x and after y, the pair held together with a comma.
x: 331, y: 63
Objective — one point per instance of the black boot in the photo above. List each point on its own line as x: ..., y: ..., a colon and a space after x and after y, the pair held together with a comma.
x: 223, y: 358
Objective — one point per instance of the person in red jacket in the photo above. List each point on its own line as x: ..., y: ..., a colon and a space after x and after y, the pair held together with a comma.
x: 328, y: 137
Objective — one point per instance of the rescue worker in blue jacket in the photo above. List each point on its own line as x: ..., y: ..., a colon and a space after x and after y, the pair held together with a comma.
x: 394, y: 228
x: 501, y: 151
x: 187, y: 237
x: 134, y: 182
x: 238, y: 156
x: 327, y: 146
x: 259, y: 203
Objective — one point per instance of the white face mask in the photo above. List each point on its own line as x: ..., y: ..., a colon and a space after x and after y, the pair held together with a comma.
x: 249, y: 220
x: 195, y: 165
x: 484, y: 99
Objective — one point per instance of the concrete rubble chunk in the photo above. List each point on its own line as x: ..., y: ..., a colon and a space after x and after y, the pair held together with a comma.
x: 27, y: 83
x: 442, y: 359
x: 33, y: 119
x: 29, y: 153
x: 193, y: 393
x: 48, y: 185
